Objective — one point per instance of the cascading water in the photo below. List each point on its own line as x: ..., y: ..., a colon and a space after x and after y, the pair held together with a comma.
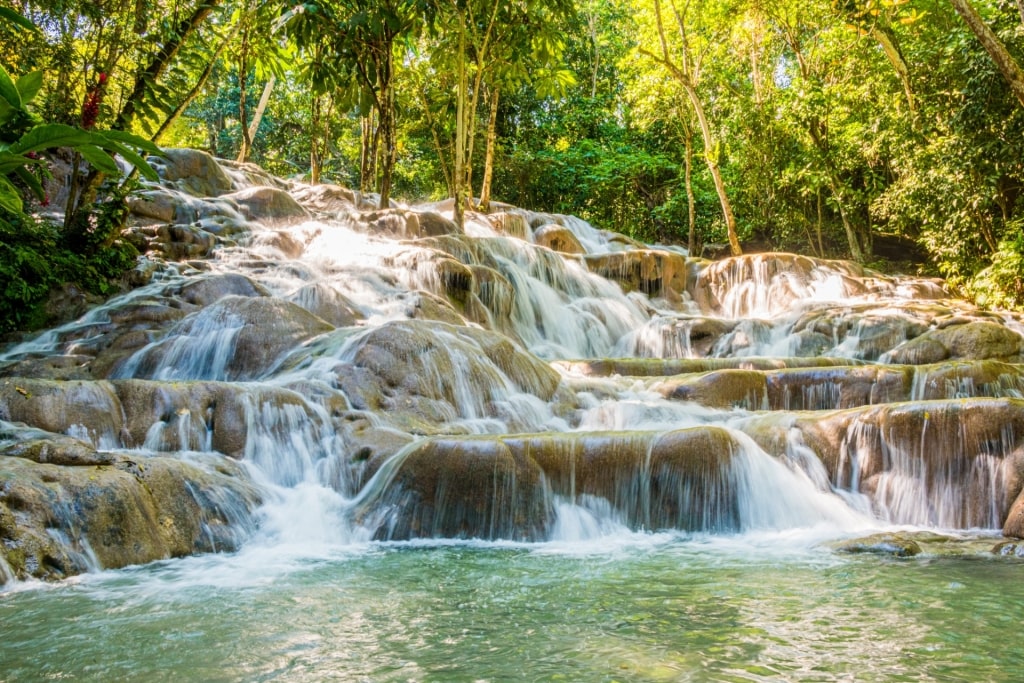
x: 338, y: 385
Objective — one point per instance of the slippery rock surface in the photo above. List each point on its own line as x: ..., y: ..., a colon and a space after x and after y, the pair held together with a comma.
x: 523, y: 376
x: 66, y: 507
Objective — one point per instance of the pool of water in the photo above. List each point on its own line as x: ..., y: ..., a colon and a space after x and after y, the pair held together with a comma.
x: 647, y: 607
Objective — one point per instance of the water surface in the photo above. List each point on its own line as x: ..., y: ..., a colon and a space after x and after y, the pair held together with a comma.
x: 644, y: 607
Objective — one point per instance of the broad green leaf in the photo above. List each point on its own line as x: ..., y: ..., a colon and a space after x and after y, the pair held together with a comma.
x: 13, y: 17
x: 6, y: 111
x: 28, y: 86
x: 8, y: 90
x: 133, y: 158
x: 9, y: 162
x: 131, y: 139
x: 49, y: 135
x: 99, y: 159
x: 32, y: 182
x: 9, y: 197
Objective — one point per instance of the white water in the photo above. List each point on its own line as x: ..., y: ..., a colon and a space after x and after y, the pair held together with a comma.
x: 300, y: 452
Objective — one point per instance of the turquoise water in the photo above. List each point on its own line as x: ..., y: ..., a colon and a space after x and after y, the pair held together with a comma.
x: 636, y: 608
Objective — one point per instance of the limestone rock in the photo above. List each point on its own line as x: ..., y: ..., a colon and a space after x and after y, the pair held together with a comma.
x: 192, y: 170
x: 123, y: 510
x: 896, y: 545
x: 654, y: 272
x: 269, y: 205
x: 558, y: 238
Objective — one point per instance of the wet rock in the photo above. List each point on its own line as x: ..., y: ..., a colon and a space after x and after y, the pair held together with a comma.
x: 720, y: 389
x: 156, y: 204
x: 235, y: 338
x: 86, y: 409
x: 182, y: 242
x: 269, y: 205
x: 976, y: 340
x: 57, y: 521
x: 653, y: 272
x: 510, y: 224
x: 327, y: 303
x: 439, y: 372
x: 327, y: 199
x: 1009, y: 549
x: 193, y: 171
x: 461, y: 489
x: 210, y: 289
x: 895, y: 545
x: 432, y: 224
x: 558, y: 238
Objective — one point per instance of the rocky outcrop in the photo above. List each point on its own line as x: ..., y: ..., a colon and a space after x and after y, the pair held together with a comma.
x: 558, y: 238
x: 653, y: 272
x: 66, y: 508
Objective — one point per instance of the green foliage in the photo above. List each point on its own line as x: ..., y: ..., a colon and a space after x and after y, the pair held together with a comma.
x: 35, y: 259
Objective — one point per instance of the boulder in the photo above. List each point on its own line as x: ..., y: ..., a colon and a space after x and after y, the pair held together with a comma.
x: 558, y: 238
x: 113, y: 510
x: 651, y: 271
x: 269, y: 205
x: 193, y: 171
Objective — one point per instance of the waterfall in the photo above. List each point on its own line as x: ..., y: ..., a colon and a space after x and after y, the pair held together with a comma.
x: 380, y: 374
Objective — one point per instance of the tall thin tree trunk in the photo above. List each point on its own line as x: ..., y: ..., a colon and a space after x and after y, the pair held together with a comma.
x: 315, y: 157
x: 257, y: 116
x: 892, y: 52
x: 683, y: 76
x: 492, y: 138
x: 197, y: 88
x: 460, y: 129
x: 691, y: 201
x: 145, y: 79
x: 1001, y: 57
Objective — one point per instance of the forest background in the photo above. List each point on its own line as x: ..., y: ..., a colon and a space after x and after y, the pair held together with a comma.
x: 884, y: 131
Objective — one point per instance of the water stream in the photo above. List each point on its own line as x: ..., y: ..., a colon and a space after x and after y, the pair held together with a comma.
x: 461, y: 457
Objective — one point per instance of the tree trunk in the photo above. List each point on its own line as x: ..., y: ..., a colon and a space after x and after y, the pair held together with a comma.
x: 367, y: 153
x: 1001, y: 57
x: 243, y: 103
x: 716, y: 173
x: 682, y: 75
x: 899, y: 64
x: 257, y: 116
x: 691, y: 201
x: 200, y: 84
x: 145, y: 79
x: 315, y: 157
x: 460, y: 130
x: 388, y: 132
x: 492, y: 138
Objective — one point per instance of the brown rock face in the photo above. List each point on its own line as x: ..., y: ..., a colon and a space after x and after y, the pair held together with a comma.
x: 250, y: 335
x: 269, y: 205
x: 193, y: 171
x: 653, y: 272
x: 558, y: 238
x: 111, y: 509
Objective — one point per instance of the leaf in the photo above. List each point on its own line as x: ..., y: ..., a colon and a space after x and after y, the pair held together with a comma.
x: 99, y: 159
x: 133, y: 158
x: 10, y: 199
x: 48, y: 135
x: 131, y: 139
x: 9, y: 162
x: 18, y: 20
x: 33, y: 183
x: 28, y: 86
x: 9, y: 91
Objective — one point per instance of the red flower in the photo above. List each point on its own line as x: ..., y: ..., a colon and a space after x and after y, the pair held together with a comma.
x: 93, y: 99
